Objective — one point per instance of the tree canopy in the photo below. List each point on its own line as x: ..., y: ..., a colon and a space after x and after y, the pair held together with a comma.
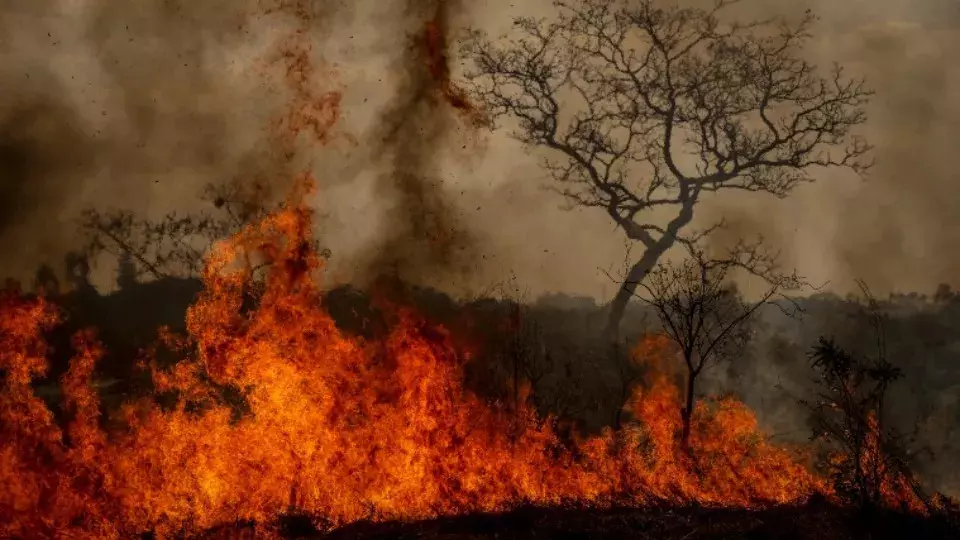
x: 646, y: 108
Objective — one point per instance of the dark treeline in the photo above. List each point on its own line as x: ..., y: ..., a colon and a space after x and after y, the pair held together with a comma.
x: 554, y: 345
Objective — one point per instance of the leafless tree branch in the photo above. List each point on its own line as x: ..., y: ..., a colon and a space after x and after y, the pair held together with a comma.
x: 703, y: 312
x: 173, y: 246
x: 626, y: 94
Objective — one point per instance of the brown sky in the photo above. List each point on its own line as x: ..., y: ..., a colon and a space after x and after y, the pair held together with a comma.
x: 114, y: 105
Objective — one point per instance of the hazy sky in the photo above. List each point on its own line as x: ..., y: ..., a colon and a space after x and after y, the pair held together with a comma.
x: 139, y: 104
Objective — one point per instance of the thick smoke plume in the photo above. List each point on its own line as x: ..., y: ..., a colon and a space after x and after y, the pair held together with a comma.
x: 427, y: 236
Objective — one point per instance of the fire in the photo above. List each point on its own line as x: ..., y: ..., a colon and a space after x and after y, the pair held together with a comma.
x: 336, y: 427
x: 433, y: 39
x: 895, y: 488
x: 310, y: 112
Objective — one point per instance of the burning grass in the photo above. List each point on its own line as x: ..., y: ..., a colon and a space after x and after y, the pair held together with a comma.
x: 338, y: 428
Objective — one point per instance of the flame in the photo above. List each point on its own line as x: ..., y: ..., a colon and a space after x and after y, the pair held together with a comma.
x: 433, y: 39
x: 895, y: 487
x: 337, y: 428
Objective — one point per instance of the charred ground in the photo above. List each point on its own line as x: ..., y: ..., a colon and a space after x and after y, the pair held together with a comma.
x: 815, y: 520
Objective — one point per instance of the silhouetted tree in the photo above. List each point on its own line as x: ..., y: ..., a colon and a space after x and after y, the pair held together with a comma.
x: 703, y: 312
x: 944, y: 294
x: 526, y: 352
x: 173, y: 246
x: 646, y: 109
x: 850, y: 414
x: 522, y: 346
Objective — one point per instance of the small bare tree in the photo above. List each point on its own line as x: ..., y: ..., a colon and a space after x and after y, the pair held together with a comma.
x: 174, y: 245
x: 523, y: 347
x: 649, y: 109
x: 704, y: 313
x: 850, y: 413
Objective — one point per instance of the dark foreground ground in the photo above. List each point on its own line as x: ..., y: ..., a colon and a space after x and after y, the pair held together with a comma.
x: 814, y: 521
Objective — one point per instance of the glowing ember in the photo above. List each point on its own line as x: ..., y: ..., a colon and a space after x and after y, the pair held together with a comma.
x: 310, y: 112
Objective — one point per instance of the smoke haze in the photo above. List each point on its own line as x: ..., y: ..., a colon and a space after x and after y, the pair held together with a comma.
x: 110, y: 104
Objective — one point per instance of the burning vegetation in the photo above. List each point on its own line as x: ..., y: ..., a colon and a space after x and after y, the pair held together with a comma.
x: 334, y: 427
x: 262, y: 407
x: 433, y: 40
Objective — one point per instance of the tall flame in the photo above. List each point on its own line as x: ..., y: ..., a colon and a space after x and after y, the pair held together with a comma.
x: 337, y: 427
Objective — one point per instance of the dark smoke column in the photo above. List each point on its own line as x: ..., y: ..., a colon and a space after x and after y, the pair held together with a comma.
x: 426, y: 238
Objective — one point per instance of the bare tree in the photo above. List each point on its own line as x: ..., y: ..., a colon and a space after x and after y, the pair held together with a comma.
x: 704, y: 313
x: 645, y: 108
x: 850, y: 413
x: 174, y: 245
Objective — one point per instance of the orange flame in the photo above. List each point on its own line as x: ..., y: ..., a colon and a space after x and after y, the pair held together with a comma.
x: 338, y: 428
x: 895, y: 487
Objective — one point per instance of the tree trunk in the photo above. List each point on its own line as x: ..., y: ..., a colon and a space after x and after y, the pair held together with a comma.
x: 624, y: 396
x: 639, y: 271
x: 686, y: 415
